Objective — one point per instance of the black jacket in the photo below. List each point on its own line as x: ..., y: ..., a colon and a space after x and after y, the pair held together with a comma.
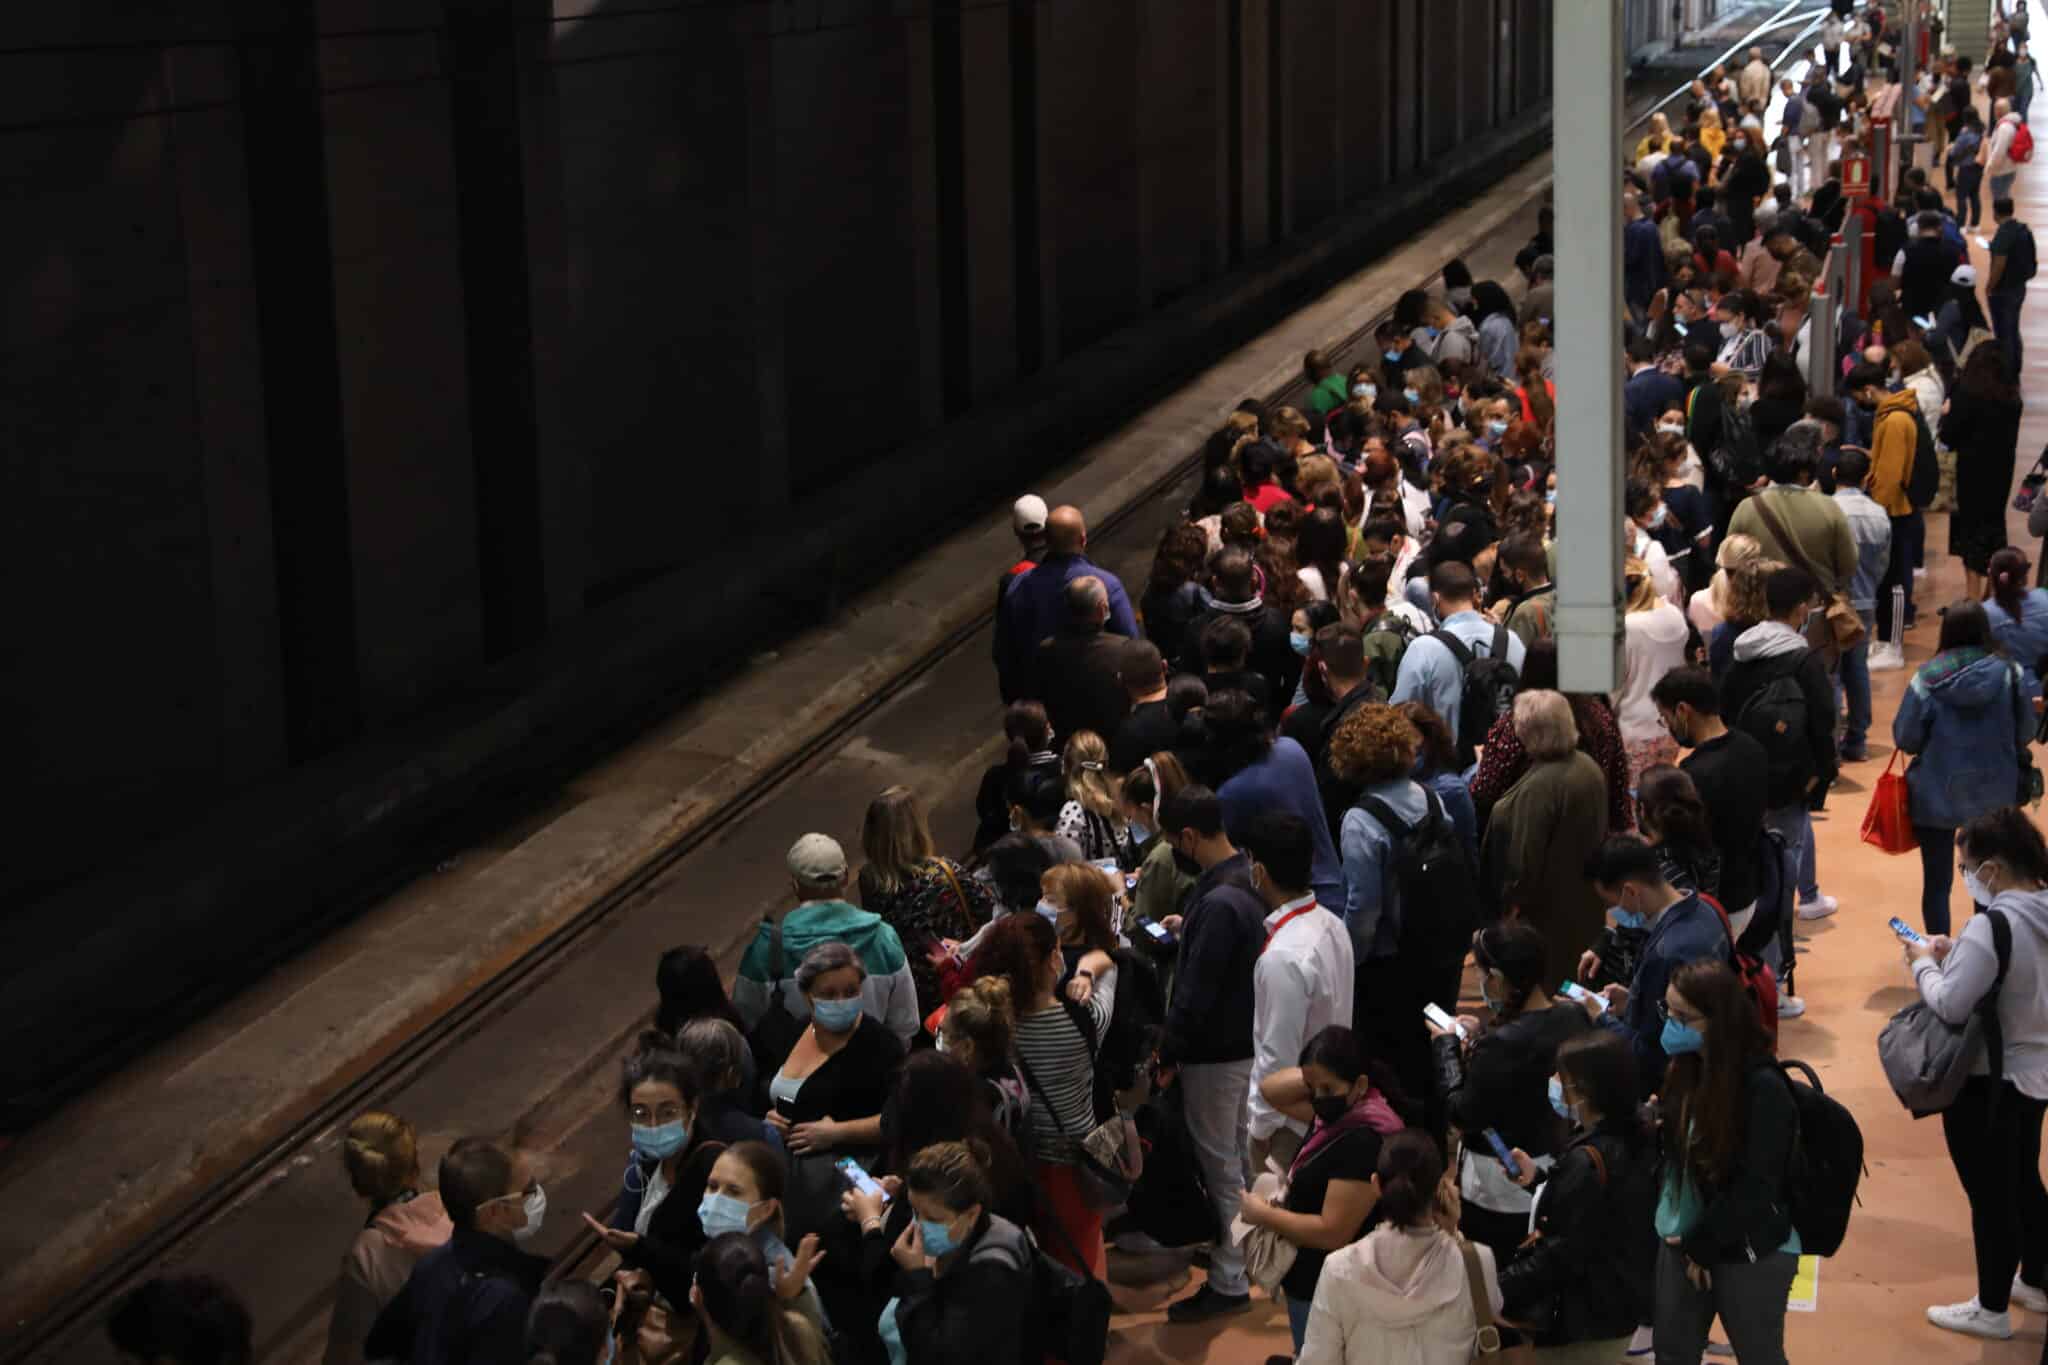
x: 465, y: 1303
x: 1272, y: 657
x: 1590, y: 1274
x: 1749, y: 1215
x: 1148, y: 729
x: 1923, y: 281
x: 1223, y: 930
x: 1808, y: 781
x: 1167, y: 615
x: 1504, y: 1082
x: 982, y: 1309
x: 1078, y: 681
x: 668, y: 1250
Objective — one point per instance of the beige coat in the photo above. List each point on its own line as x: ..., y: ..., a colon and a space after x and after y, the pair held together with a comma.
x: 376, y: 1268
x: 1400, y: 1297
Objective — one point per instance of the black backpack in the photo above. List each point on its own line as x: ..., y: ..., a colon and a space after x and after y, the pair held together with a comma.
x: 1490, y: 684
x: 1923, y: 481
x: 1170, y: 1201
x: 1133, y: 1032
x: 1438, y: 886
x: 774, y: 1035
x: 1827, y: 1163
x: 1775, y: 716
x: 1738, y: 460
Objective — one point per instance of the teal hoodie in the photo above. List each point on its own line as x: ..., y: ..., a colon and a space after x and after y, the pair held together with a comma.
x: 888, y: 995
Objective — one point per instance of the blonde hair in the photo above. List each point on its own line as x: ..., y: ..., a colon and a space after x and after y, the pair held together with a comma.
x: 1736, y: 549
x: 980, y: 1013
x: 895, y: 838
x: 381, y: 1152
x: 1544, y: 724
x: 1287, y: 422
x: 954, y: 1173
x: 1152, y: 781
x: 1642, y: 594
x: 1746, y: 600
x: 1241, y: 425
x: 1313, y: 474
x: 1084, y: 765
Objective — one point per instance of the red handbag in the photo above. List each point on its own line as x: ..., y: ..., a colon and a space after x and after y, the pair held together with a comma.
x: 1888, y: 824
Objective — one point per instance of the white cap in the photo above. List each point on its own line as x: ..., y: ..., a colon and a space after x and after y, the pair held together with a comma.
x: 817, y: 858
x: 1027, y: 514
x: 1964, y: 275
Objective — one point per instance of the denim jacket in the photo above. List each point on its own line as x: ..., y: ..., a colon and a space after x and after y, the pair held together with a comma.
x: 1965, y: 718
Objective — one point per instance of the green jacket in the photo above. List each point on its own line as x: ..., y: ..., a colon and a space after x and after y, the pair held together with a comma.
x: 1827, y: 547
x: 889, y: 994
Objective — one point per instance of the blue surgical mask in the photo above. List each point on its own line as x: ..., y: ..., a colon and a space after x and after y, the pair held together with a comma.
x: 1299, y: 643
x: 1564, y: 1111
x: 1139, y: 834
x: 1433, y: 333
x: 1050, y: 911
x: 938, y: 1238
x: 1550, y: 497
x: 1413, y: 396
x: 835, y: 1016
x: 1679, y: 1039
x: 1368, y: 392
x: 1629, y: 919
x: 1496, y: 428
x: 1493, y: 1002
x: 661, y: 1141
x: 722, y: 1213
x: 1393, y: 357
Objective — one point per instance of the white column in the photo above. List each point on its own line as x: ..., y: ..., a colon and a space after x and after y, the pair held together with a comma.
x: 1587, y: 109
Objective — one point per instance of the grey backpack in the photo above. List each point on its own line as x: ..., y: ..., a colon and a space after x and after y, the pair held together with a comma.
x: 1927, y: 1059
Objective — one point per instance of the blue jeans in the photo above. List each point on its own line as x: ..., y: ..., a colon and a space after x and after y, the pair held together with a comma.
x: 1795, y: 826
x: 2001, y: 185
x: 1852, y: 687
x: 2005, y: 325
x: 1297, y: 1320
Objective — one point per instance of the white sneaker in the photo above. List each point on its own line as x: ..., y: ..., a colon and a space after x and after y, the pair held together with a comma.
x: 2026, y: 1296
x: 1971, y: 1320
x: 1642, y: 1343
x: 1884, y: 657
x: 1790, y: 1007
x: 1920, y: 574
x: 1820, y: 907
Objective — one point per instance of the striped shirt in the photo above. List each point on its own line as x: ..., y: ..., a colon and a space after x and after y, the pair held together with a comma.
x: 1052, y: 1047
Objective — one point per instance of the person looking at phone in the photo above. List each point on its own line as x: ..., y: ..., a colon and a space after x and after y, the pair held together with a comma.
x: 1996, y: 1147
x: 965, y: 1287
x: 1584, y: 1280
x: 1630, y: 876
x: 1497, y: 1080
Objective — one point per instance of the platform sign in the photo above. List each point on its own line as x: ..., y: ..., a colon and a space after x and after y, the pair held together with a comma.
x: 1855, y: 174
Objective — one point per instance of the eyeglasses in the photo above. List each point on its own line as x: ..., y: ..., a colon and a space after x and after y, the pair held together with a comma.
x: 1687, y: 1019
x: 669, y: 1111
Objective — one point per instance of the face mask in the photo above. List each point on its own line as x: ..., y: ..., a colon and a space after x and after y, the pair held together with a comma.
x: 1412, y: 396
x: 722, y: 1213
x: 1673, y: 429
x: 1330, y: 1108
x: 1679, y: 1040
x: 1659, y: 517
x: 1434, y: 333
x: 1364, y: 391
x: 835, y: 1016
x: 1139, y: 834
x: 536, y: 1214
x: 1493, y: 1002
x: 660, y: 1141
x: 1979, y: 892
x: 1676, y: 728
x: 1496, y: 427
x: 1460, y: 296
x: 1564, y: 1111
x: 1393, y: 357
x: 1628, y: 919
x: 1550, y: 497
x: 1299, y: 643
x: 1731, y: 330
x: 1050, y: 911
x: 938, y: 1238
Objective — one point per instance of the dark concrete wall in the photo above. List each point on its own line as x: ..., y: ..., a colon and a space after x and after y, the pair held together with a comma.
x: 365, y: 360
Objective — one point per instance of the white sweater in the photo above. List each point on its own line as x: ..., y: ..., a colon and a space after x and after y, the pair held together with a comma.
x: 1654, y: 645
x: 1953, y: 988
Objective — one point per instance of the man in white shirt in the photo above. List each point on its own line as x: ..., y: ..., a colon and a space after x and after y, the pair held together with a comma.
x: 1999, y: 167
x: 1301, y: 983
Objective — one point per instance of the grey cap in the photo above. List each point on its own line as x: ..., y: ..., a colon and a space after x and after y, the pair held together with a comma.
x: 817, y: 859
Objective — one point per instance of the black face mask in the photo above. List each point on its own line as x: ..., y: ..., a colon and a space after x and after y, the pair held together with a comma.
x: 1330, y: 1108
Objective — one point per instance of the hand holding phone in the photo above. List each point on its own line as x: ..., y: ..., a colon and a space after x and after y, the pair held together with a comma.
x: 857, y: 1178
x: 1436, y: 1015
x: 1159, y: 933
x: 1572, y: 990
x: 1906, y: 932
x: 1501, y: 1150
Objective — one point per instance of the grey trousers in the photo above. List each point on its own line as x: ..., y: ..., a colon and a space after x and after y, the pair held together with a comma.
x: 1749, y: 1297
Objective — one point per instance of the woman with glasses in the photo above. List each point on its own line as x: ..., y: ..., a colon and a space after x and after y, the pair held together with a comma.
x: 1994, y: 1130
x: 1723, y: 1210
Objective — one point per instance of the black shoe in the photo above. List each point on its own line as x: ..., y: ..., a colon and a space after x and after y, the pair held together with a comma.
x: 1206, y: 1303
x: 1857, y: 754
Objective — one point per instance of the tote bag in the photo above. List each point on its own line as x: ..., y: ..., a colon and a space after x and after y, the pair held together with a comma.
x: 1888, y: 823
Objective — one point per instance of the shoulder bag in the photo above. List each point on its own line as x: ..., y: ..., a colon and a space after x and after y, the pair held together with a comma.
x: 1840, y: 626
x: 1108, y: 1154
x: 1486, y: 1343
x: 1927, y: 1059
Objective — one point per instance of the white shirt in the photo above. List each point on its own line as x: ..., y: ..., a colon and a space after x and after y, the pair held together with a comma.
x: 1301, y: 984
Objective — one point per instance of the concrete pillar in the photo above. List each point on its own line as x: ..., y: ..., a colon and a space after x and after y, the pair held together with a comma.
x: 1587, y: 105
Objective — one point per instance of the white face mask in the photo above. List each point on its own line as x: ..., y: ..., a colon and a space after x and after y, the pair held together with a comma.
x: 1671, y: 429
x: 1731, y: 329
x: 536, y: 1214
x: 1973, y: 882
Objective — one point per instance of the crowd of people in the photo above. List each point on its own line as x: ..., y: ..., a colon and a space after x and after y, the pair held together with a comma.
x: 1197, y: 981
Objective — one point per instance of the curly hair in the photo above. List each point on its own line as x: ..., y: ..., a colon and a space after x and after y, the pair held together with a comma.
x: 1746, y: 589
x: 1183, y: 552
x: 1375, y: 743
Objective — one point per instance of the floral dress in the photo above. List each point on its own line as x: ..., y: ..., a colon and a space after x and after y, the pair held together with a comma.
x: 937, y: 900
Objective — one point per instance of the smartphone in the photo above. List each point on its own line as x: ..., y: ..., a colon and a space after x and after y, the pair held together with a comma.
x: 1161, y: 935
x: 1905, y: 931
x: 1436, y: 1014
x: 1501, y: 1150
x: 1572, y: 990
x: 850, y: 1171
x: 1678, y: 327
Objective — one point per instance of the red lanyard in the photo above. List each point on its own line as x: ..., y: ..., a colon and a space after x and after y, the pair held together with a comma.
x: 1285, y: 919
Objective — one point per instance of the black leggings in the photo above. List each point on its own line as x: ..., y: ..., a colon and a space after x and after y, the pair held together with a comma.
x: 1999, y: 1162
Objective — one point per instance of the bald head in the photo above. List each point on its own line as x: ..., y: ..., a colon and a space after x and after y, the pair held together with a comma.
x: 1087, y: 601
x: 1066, y: 532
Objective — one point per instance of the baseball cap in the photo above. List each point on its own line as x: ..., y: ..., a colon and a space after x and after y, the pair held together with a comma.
x: 1027, y: 514
x: 1964, y: 275
x: 1544, y: 265
x: 817, y: 858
